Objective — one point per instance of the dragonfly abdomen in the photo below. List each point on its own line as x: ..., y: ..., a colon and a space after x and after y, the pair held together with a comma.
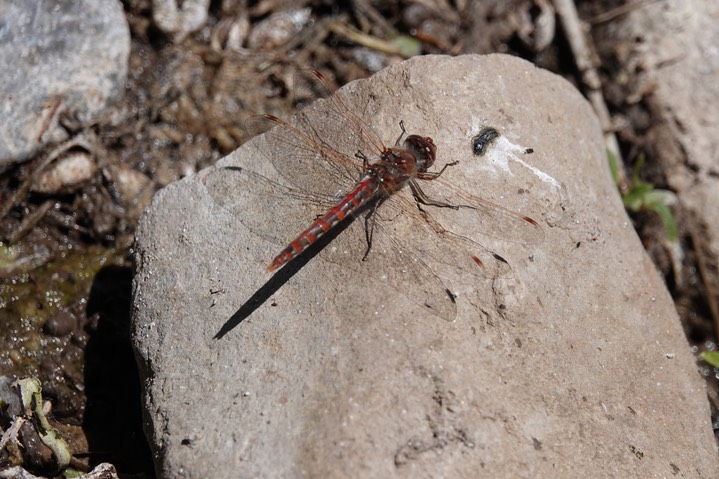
x: 362, y: 193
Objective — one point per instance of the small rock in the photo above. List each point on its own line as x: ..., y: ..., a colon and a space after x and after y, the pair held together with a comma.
x: 179, y: 18
x: 67, y: 174
x: 60, y: 324
x: 278, y: 28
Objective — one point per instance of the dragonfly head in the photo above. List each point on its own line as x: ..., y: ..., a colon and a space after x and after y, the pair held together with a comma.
x: 423, y: 148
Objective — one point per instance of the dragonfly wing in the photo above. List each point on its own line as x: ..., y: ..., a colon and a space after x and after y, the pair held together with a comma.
x: 452, y: 255
x: 323, y: 146
x: 397, y: 268
x: 288, y: 211
x: 285, y: 211
x: 477, y: 217
x: 300, y: 158
x: 339, y: 126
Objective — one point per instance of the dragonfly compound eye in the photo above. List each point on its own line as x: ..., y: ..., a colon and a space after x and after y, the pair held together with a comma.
x: 423, y: 147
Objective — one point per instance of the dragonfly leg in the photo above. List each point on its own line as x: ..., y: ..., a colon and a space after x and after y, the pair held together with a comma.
x: 431, y: 175
x: 370, y: 220
x: 399, y: 138
x: 365, y: 161
x: 422, y: 198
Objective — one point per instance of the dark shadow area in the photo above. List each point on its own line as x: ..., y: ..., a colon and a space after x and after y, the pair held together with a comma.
x: 113, y: 414
x: 281, y: 277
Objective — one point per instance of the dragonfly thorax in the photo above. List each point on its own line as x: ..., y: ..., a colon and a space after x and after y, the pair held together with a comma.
x: 399, y: 165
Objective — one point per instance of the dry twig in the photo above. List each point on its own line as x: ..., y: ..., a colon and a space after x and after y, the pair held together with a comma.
x: 579, y: 45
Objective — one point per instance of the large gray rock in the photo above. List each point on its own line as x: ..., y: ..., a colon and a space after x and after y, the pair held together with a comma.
x: 571, y: 363
x: 63, y: 61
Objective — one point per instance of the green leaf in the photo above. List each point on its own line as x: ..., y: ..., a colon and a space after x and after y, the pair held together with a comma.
x: 670, y: 224
x: 635, y: 199
x: 31, y: 395
x: 408, y: 46
x: 637, y: 167
x: 712, y: 357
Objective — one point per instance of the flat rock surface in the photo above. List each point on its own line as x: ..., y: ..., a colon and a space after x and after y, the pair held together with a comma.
x: 569, y: 361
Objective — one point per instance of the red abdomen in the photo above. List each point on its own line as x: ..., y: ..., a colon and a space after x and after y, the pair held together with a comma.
x: 363, y: 192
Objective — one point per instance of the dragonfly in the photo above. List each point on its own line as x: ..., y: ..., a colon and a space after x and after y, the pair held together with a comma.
x: 329, y: 160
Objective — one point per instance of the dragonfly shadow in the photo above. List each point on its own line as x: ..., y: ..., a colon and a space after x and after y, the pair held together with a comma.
x: 280, y: 278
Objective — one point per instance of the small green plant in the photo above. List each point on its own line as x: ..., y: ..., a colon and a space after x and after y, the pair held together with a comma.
x: 711, y: 357
x: 638, y: 195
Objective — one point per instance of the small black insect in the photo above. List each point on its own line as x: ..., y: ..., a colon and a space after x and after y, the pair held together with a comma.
x: 483, y: 140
